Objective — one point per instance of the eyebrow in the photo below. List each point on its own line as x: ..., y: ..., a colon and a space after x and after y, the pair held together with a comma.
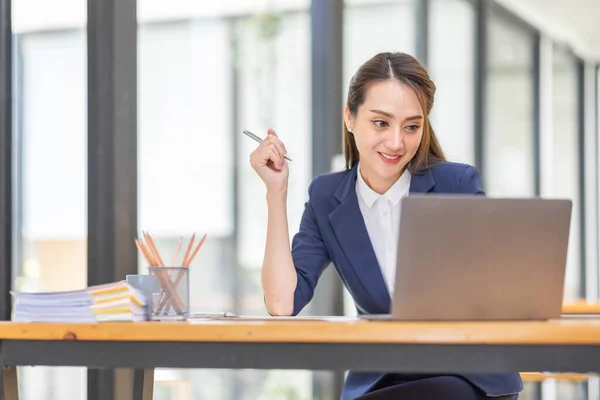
x: 387, y: 114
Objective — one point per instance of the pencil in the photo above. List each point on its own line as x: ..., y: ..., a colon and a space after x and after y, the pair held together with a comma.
x: 259, y: 140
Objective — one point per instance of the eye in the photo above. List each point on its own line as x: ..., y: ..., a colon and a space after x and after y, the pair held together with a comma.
x: 412, y: 128
x: 380, y: 123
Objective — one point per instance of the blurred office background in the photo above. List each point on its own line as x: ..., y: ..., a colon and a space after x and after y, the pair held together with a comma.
x: 517, y: 96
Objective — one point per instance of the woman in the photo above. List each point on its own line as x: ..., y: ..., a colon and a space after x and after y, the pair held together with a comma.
x: 352, y: 217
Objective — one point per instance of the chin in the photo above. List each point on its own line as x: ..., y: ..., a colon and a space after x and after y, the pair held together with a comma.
x: 391, y: 172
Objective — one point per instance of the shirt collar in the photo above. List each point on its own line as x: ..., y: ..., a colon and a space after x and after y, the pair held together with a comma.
x: 399, y: 189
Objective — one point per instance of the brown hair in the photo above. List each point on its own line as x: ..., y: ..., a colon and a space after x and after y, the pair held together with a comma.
x: 406, y: 69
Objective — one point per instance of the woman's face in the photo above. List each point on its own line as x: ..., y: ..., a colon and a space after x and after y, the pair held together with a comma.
x: 387, y: 129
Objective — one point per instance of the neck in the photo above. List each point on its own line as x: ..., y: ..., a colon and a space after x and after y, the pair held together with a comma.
x: 379, y: 184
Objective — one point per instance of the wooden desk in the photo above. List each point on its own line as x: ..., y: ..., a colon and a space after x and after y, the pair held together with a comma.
x: 581, y: 307
x: 540, y: 377
x: 568, y: 345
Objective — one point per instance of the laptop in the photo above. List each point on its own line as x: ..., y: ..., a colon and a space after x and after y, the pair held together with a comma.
x: 480, y: 258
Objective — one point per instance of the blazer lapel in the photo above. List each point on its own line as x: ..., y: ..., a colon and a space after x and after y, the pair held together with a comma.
x: 349, y: 227
x: 421, y: 183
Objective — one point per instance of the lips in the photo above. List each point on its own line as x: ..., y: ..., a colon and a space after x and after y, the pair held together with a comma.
x: 389, y: 158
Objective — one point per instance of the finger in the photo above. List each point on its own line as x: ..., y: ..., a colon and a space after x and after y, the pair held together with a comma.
x: 279, y: 146
x: 268, y: 152
x: 259, y: 159
x: 278, y: 143
x: 256, y: 159
x: 272, y: 133
x: 273, y: 155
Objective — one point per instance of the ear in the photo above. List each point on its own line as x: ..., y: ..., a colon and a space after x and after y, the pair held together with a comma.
x: 348, y: 118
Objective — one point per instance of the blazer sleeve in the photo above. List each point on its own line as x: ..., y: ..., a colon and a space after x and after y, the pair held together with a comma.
x: 309, y: 254
x: 470, y: 182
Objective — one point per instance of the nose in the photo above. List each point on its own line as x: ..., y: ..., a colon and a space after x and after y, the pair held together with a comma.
x: 396, y: 141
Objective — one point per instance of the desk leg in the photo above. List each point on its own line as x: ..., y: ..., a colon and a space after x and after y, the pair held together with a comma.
x: 9, y: 389
x: 143, y: 384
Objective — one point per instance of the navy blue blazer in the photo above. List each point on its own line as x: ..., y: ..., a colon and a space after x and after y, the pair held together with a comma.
x: 332, y: 230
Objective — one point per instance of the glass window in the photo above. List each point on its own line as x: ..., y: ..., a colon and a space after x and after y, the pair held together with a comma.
x: 571, y: 390
x: 531, y: 391
x: 203, y: 78
x: 369, y: 3
x: 274, y: 72
x: 509, y: 121
x: 274, y: 92
x: 566, y: 181
x: 395, y: 32
x: 451, y: 67
x: 597, y: 122
x: 161, y: 11
x: 50, y: 168
x: 51, y: 192
x: 185, y: 160
x: 184, y: 132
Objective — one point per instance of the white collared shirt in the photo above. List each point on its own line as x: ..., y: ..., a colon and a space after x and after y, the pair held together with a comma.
x: 381, y: 214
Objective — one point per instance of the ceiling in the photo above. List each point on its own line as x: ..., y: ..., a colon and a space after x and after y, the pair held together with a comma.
x: 572, y: 22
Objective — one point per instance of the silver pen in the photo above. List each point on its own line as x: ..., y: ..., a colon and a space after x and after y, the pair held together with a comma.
x: 259, y: 140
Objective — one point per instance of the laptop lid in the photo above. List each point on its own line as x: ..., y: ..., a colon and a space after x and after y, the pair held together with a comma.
x: 481, y: 258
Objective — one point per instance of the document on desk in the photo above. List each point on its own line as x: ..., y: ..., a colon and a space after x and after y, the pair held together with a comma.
x: 116, y: 301
x: 227, y: 316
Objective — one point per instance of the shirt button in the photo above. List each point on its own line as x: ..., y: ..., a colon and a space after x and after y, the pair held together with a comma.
x: 390, y: 248
x: 384, y: 213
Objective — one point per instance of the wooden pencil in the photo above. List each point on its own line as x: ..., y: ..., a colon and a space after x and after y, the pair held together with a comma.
x: 163, y: 277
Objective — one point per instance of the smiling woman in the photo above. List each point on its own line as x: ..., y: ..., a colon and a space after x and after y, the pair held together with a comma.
x: 352, y: 217
x: 387, y: 120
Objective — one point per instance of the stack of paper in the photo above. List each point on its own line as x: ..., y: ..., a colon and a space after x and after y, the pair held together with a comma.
x: 117, y: 301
